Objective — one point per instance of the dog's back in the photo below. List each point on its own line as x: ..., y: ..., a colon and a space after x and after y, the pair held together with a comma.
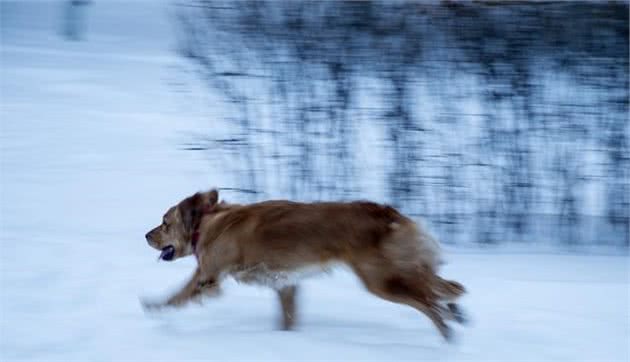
x: 284, y: 234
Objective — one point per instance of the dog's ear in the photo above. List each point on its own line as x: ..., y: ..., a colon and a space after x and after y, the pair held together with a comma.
x: 190, y: 210
x: 193, y: 207
x: 208, y: 200
x: 213, y: 197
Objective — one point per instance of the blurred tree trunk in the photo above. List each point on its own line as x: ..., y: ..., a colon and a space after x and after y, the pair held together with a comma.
x: 75, y: 18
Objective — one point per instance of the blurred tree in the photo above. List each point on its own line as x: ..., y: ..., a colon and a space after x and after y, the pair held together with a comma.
x: 495, y: 109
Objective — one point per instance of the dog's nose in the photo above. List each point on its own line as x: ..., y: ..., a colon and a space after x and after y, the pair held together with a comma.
x: 148, y: 237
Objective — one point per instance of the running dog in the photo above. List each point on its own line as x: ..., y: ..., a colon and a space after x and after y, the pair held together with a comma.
x: 277, y: 243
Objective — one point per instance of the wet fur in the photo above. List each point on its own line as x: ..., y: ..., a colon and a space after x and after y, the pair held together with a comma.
x: 275, y: 243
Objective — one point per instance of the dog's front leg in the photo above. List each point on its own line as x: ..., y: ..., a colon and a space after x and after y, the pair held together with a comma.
x: 197, y: 286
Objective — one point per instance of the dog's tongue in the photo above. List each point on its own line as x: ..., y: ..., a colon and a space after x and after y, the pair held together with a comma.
x: 168, y: 253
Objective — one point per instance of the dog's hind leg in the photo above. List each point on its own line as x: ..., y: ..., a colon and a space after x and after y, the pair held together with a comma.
x: 287, y: 301
x: 405, y: 287
x: 401, y: 289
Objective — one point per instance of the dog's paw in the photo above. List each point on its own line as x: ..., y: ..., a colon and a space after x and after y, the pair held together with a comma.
x: 151, y: 306
x: 459, y: 315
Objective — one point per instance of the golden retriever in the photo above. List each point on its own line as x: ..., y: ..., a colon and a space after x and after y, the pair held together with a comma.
x: 275, y: 243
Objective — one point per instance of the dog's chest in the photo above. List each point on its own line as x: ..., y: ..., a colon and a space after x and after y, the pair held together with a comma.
x: 260, y: 274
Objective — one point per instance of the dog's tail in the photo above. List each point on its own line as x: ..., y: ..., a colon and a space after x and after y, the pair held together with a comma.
x: 447, y: 289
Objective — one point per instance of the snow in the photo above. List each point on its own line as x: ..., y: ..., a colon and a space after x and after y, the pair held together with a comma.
x: 90, y: 159
x: 523, y: 307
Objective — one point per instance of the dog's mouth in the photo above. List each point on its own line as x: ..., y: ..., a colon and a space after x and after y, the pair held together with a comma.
x: 168, y: 253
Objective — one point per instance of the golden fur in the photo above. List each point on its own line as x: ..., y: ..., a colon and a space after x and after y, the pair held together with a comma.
x: 275, y: 243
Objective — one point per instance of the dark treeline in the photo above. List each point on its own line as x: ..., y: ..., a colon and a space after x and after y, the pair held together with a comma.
x: 493, y: 120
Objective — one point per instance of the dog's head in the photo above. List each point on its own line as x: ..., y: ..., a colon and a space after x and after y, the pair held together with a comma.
x: 174, y: 236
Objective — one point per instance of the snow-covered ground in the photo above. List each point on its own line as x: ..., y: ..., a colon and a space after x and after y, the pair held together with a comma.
x: 89, y: 161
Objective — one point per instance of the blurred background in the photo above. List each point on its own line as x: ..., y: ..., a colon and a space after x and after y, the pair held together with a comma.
x: 502, y: 125
x: 495, y: 121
